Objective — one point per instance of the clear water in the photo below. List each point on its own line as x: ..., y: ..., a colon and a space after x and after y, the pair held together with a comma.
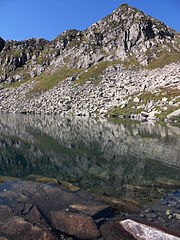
x: 126, y: 159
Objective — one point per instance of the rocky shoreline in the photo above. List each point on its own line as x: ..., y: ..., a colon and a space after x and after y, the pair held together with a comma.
x: 136, y: 94
x: 32, y: 210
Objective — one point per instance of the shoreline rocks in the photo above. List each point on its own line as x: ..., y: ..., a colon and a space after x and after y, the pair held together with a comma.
x: 39, y: 211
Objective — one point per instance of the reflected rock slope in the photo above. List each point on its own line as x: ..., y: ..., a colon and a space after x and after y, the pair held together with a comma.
x: 92, y: 153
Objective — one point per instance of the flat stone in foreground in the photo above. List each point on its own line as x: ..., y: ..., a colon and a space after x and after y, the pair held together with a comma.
x: 5, y: 213
x: 19, y: 229
x: 77, y: 225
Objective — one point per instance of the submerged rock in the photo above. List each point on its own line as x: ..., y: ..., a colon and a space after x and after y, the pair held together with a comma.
x: 30, y: 211
x: 5, y: 213
x: 18, y: 228
x: 77, y: 225
x: 95, y: 211
x: 114, y: 231
x: 125, y: 205
x: 46, y: 211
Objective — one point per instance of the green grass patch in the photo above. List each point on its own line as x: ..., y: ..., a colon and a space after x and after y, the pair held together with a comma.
x: 161, y: 116
x: 126, y: 112
x: 15, y: 84
x: 94, y: 73
x: 41, y: 59
x: 164, y: 59
x: 169, y: 93
x: 145, y: 97
x: 41, y: 179
x: 1, y: 72
x: 131, y: 62
x: 48, y: 81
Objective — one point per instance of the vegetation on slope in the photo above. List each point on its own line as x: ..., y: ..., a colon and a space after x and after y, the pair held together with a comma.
x: 131, y: 107
x: 164, y: 59
x: 94, y: 73
x: 47, y: 81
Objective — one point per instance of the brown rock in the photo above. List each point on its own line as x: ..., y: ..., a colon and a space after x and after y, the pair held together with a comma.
x: 5, y: 213
x: 69, y: 186
x: 35, y: 217
x: 28, y: 206
x: 18, y: 228
x: 126, y: 205
x: 114, y: 231
x: 77, y: 225
x: 95, y: 211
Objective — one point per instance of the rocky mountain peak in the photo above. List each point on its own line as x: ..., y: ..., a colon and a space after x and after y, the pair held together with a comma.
x: 125, y: 35
x: 128, y: 30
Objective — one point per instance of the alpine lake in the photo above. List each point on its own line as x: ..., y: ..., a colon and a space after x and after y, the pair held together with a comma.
x: 122, y: 159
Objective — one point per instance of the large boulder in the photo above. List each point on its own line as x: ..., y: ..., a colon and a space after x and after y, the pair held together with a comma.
x: 114, y: 231
x: 18, y: 228
x: 77, y: 225
x: 5, y: 213
x: 174, y: 114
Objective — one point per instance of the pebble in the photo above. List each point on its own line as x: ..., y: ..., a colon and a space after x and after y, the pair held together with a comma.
x: 169, y: 212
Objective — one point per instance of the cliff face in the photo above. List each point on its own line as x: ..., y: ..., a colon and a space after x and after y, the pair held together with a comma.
x: 125, y: 34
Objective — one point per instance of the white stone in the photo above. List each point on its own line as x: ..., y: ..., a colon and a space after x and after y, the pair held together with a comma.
x: 145, y: 232
x: 164, y: 99
x: 136, y: 100
x: 174, y: 114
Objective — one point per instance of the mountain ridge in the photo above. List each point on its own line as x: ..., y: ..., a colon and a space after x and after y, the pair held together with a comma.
x: 126, y: 41
x: 125, y: 33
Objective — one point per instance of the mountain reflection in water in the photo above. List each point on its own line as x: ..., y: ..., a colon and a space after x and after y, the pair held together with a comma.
x: 116, y: 159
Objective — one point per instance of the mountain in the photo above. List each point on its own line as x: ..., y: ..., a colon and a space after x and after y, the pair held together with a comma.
x: 126, y: 39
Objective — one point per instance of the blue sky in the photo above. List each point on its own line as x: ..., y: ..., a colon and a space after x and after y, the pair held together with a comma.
x: 22, y: 19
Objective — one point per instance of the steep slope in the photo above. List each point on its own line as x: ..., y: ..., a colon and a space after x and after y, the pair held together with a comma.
x: 127, y: 41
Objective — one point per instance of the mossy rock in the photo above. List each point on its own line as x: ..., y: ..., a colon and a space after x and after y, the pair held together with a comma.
x: 6, y: 179
x: 47, y: 81
x: 121, y: 204
x: 69, y: 186
x: 42, y: 179
x: 167, y: 183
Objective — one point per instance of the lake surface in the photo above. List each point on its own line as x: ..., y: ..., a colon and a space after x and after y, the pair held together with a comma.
x: 124, y: 159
